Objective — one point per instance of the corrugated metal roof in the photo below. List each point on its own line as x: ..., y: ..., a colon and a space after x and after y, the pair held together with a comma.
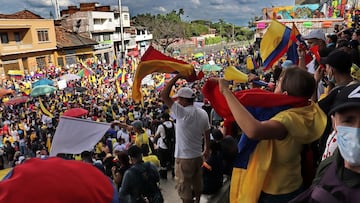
x: 67, y: 39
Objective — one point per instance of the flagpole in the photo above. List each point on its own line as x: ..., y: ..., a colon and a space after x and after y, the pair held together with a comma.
x: 121, y: 30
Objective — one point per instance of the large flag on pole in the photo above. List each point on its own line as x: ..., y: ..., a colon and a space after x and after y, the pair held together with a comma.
x: 74, y: 135
x: 275, y: 43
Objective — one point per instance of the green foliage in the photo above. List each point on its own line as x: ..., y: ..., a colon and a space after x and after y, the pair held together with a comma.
x: 213, y: 40
x: 198, y: 29
x: 169, y: 28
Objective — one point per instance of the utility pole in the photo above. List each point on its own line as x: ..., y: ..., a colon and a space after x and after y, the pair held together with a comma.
x: 57, y: 10
x: 122, y: 50
x: 233, y: 33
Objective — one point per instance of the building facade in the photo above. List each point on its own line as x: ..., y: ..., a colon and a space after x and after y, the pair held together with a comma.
x: 95, y: 22
x: 27, y: 42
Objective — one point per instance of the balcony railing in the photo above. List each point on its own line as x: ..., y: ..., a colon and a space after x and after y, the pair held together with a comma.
x: 144, y: 37
x: 15, y: 48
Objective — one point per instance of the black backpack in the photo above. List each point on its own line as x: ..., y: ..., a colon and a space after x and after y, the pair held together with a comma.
x: 150, y: 191
x: 170, y: 136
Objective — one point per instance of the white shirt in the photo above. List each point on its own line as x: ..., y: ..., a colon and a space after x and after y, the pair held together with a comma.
x: 124, y: 135
x: 191, y: 124
x: 161, y: 131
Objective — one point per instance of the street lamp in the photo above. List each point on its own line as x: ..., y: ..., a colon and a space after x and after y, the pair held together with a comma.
x: 121, y: 30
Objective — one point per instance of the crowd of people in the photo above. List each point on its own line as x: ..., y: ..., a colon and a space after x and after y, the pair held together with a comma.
x: 200, y: 138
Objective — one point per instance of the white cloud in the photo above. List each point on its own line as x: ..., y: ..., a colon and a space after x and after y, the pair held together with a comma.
x: 232, y: 11
x: 196, y: 2
x: 161, y: 9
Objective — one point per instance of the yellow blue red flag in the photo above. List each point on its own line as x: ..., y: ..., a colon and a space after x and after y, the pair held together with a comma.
x: 275, y: 43
x: 154, y: 61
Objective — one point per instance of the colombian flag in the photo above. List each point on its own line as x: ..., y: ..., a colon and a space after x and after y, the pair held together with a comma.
x: 118, y: 74
x: 154, y: 61
x: 123, y: 76
x: 295, y: 41
x: 250, y: 63
x: 160, y: 85
x: 275, y: 43
x: 254, y: 157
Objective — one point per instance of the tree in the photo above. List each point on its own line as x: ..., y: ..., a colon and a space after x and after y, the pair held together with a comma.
x: 166, y: 29
x: 252, y: 22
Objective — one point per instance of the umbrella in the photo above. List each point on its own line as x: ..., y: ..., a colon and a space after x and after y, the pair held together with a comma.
x: 4, y: 92
x: 42, y: 90
x: 71, y: 177
x: 16, y: 72
x: 133, y: 53
x: 17, y: 100
x: 198, y: 55
x: 43, y: 81
x: 69, y: 77
x: 209, y: 68
x: 75, y: 112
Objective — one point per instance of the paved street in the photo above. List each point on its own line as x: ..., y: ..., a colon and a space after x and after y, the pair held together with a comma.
x: 171, y: 196
x: 168, y: 190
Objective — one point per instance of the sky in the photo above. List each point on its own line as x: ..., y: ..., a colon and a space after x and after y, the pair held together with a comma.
x: 237, y: 12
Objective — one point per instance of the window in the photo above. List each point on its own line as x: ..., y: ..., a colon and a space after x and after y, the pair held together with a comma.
x: 41, y: 62
x: 106, y: 37
x: 126, y: 17
x: 98, y: 21
x: 60, y: 61
x: 43, y: 35
x: 96, y: 38
x: 4, y: 38
x: 17, y: 36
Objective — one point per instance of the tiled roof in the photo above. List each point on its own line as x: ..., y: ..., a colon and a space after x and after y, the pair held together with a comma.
x: 25, y: 14
x: 67, y: 39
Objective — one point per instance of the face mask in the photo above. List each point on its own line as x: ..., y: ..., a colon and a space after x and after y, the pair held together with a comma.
x: 348, y: 140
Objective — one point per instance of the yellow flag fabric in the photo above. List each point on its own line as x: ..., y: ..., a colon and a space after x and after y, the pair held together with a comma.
x: 274, y: 43
x: 4, y: 172
x: 147, y: 67
x: 44, y: 110
x: 246, y: 184
x: 231, y: 73
x: 123, y: 76
x: 250, y: 63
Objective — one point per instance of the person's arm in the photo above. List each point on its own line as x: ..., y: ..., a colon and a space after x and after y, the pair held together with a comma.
x: 206, y: 152
x: 253, y: 128
x: 318, y: 75
x: 121, y: 125
x: 165, y: 93
x: 301, y: 53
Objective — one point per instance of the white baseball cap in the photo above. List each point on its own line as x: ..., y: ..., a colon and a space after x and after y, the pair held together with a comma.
x: 185, y: 92
x: 315, y: 34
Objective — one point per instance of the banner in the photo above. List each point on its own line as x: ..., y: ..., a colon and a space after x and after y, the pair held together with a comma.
x: 62, y: 84
x: 74, y: 135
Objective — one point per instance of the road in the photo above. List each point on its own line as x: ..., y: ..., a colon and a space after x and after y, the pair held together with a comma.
x: 170, y: 194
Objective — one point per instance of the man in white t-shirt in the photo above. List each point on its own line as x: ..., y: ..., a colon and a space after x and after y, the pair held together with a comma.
x: 124, y: 134
x: 192, y: 125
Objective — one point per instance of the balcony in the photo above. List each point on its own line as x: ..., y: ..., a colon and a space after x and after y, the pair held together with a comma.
x: 15, y: 49
x: 147, y: 37
x: 107, y: 27
x: 127, y: 37
x: 104, y: 45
